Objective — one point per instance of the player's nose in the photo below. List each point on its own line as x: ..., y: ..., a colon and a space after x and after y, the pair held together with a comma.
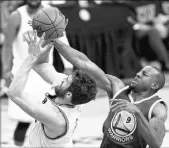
x: 138, y: 75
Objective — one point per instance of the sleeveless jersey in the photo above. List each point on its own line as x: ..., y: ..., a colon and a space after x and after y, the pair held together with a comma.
x: 38, y: 138
x: 20, y: 52
x: 120, y: 128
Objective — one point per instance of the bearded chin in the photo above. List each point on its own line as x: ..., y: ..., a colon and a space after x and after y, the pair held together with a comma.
x: 60, y: 93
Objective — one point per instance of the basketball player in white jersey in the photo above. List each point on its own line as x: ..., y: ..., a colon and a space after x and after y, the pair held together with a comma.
x: 57, y: 118
x: 14, y: 51
x: 137, y: 114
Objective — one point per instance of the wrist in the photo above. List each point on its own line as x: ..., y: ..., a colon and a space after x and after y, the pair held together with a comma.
x: 34, y: 58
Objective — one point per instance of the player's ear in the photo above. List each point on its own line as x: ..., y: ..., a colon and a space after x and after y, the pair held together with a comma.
x: 69, y: 95
x: 155, y: 86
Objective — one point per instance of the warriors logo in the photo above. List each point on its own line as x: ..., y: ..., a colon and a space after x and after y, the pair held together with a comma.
x: 123, y: 125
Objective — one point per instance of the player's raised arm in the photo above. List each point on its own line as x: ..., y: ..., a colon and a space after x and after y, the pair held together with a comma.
x: 42, y: 66
x: 81, y: 61
x: 16, y: 90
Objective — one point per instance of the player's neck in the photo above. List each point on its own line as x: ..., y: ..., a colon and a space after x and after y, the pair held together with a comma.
x: 63, y: 102
x: 139, y: 96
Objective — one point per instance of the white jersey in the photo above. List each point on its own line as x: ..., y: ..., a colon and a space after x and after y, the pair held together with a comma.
x: 38, y: 138
x: 35, y: 84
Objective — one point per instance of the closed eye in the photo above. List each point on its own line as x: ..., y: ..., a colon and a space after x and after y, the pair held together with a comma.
x: 144, y: 73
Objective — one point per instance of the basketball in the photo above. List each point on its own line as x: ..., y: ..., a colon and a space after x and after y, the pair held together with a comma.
x: 49, y: 20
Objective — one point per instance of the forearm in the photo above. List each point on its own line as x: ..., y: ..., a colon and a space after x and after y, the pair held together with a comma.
x: 48, y: 73
x: 148, y: 133
x: 81, y: 61
x: 18, y: 84
x: 72, y: 55
x: 67, y: 64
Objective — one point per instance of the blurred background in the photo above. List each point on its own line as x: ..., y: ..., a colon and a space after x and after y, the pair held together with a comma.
x: 119, y: 36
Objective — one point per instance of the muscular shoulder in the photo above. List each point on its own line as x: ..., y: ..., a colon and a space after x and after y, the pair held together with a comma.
x: 160, y: 111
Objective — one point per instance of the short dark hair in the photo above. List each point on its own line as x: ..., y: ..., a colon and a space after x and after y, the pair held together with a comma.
x: 83, y: 88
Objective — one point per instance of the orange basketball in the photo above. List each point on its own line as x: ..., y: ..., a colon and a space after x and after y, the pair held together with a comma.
x: 49, y: 20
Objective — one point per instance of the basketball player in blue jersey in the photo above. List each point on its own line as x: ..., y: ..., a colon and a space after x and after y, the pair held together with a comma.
x: 137, y: 115
x: 57, y: 118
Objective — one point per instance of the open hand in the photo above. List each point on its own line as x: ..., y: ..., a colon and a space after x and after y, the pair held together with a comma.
x: 35, y: 47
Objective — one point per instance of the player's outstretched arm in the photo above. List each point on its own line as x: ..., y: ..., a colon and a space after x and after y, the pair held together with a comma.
x: 47, y: 70
x: 81, y: 61
x: 22, y: 99
x: 18, y: 84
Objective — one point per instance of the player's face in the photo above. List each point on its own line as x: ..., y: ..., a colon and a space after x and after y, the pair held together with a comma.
x: 34, y: 4
x: 144, y: 79
x: 62, y: 89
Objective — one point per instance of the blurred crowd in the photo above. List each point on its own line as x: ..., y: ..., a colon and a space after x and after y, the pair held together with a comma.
x: 152, y: 35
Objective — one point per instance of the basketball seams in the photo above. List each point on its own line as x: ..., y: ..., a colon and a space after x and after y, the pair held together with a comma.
x: 40, y: 22
x: 49, y: 17
x: 53, y: 22
x: 45, y: 24
x: 52, y: 27
x: 51, y: 34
